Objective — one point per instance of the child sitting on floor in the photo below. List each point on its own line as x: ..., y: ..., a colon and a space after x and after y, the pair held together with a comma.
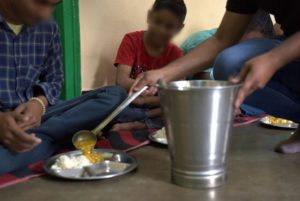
x: 147, y: 50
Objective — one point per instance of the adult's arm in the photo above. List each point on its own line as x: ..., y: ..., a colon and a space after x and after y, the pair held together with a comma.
x: 287, y: 52
x: 229, y: 33
x: 258, y: 71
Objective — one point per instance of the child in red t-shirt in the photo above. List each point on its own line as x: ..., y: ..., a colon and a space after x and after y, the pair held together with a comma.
x: 147, y: 50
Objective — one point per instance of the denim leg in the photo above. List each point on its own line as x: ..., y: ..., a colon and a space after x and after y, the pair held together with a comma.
x: 84, y: 116
x: 13, y: 161
x: 65, y: 105
x: 131, y: 114
x: 231, y: 60
x: 154, y: 123
x: 67, y: 119
x: 281, y: 96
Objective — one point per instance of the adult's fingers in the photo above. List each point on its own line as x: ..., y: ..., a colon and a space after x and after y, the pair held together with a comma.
x: 152, y: 90
x: 137, y: 85
x: 240, y: 98
x: 24, y: 119
x: 241, y: 76
x: 31, y: 126
x: 16, y: 145
x: 20, y: 109
x: 142, y: 81
x: 30, y: 123
x: 20, y: 135
x: 248, y: 87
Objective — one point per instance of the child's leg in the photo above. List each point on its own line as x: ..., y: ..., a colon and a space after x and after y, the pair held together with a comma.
x: 155, y: 123
x: 62, y: 124
x: 129, y: 126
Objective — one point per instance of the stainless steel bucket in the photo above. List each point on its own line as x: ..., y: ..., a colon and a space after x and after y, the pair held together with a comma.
x: 199, y: 117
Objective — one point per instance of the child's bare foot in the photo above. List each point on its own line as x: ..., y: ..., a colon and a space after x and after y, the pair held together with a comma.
x: 129, y: 126
x: 291, y: 145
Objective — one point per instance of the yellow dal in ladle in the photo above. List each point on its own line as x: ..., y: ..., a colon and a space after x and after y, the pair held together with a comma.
x: 87, y: 147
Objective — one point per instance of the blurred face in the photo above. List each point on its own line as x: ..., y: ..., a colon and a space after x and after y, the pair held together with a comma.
x: 34, y: 11
x: 163, y: 25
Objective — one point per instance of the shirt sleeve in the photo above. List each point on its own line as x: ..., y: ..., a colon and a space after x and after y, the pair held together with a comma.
x: 52, y: 77
x: 242, y: 6
x: 126, y: 53
x: 179, y: 53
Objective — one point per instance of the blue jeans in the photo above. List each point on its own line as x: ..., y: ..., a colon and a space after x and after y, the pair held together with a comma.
x: 281, y: 96
x: 61, y: 122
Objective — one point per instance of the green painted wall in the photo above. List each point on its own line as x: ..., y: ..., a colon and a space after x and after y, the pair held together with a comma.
x: 67, y: 16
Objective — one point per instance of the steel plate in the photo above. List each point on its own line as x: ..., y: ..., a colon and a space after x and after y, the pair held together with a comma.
x: 159, y: 136
x: 267, y: 122
x: 116, y: 163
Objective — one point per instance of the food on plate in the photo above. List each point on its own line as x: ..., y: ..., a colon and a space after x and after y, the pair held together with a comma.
x: 88, y: 157
x: 71, y: 162
x: 87, y: 147
x: 273, y: 120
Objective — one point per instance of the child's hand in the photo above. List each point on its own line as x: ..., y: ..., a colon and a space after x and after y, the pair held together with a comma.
x: 140, y: 101
x: 29, y: 114
x: 152, y: 101
x: 156, y: 112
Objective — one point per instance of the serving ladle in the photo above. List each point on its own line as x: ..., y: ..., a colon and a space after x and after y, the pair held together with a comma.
x: 86, y: 135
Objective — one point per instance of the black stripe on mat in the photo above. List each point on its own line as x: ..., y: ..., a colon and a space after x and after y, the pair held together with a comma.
x: 141, y: 136
x: 116, y: 141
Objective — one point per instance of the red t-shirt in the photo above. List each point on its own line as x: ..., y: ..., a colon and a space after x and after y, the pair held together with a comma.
x: 132, y: 52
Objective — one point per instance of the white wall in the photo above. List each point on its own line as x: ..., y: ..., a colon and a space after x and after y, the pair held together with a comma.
x: 104, y: 23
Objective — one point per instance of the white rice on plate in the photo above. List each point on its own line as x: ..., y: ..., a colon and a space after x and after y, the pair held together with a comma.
x: 71, y: 162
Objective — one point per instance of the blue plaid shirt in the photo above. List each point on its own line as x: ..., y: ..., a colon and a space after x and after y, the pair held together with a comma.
x: 29, y: 61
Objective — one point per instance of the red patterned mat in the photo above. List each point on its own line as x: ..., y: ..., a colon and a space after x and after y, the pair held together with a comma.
x: 125, y: 141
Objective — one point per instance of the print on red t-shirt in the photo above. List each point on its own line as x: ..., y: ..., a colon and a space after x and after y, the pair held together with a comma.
x: 132, y: 52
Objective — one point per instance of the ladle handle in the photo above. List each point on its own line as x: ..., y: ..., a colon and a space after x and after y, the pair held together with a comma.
x: 118, y: 110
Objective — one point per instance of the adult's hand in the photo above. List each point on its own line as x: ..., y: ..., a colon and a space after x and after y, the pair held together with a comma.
x: 255, y: 74
x: 30, y: 114
x: 150, y: 79
x: 13, y: 137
